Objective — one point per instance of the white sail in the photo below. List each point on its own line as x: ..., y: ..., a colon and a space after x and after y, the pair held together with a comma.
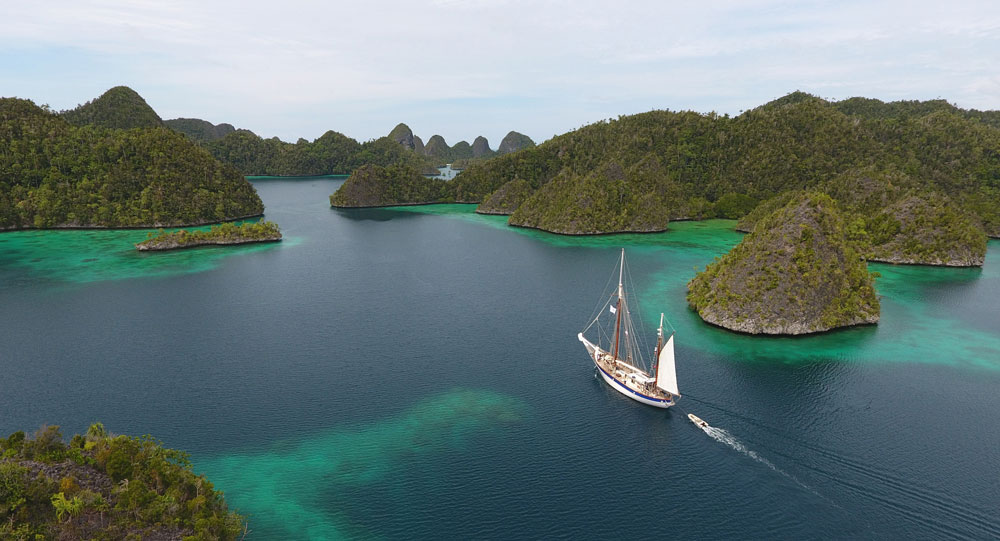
x: 666, y: 375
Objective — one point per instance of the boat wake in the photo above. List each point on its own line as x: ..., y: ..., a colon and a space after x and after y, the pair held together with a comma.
x: 882, y: 486
x: 721, y: 436
x: 859, y: 477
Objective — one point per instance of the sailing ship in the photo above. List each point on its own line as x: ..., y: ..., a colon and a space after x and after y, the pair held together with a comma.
x: 621, y: 363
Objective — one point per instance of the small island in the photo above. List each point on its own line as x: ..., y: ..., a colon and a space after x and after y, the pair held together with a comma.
x: 796, y: 273
x: 377, y: 186
x: 224, y: 234
x: 106, y: 486
x: 110, y: 164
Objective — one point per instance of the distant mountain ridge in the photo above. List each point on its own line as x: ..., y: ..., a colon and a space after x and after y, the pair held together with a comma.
x: 462, y: 153
x: 200, y: 131
x: 332, y: 153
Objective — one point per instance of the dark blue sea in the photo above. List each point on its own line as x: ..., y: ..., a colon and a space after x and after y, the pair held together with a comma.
x: 414, y: 373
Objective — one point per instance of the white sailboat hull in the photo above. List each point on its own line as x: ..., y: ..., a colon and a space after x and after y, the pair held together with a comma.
x: 634, y: 395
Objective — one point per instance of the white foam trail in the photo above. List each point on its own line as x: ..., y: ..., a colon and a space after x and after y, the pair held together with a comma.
x: 722, y: 436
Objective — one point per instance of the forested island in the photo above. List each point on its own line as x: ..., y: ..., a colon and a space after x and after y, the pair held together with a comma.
x: 607, y: 177
x: 224, y: 234
x: 334, y: 153
x: 796, y: 273
x: 902, y: 182
x: 378, y: 186
x: 106, y: 486
x: 113, y: 166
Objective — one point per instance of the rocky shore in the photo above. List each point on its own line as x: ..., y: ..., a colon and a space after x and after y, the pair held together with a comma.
x: 795, y: 274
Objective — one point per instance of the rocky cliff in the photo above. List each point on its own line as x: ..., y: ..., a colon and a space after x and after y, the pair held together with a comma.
x: 513, y: 141
x: 403, y: 135
x: 481, y: 148
x: 796, y: 273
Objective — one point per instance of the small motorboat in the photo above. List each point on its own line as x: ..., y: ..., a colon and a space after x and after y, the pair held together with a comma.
x: 697, y: 420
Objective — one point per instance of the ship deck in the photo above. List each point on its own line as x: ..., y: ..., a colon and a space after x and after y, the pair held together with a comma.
x: 630, y: 376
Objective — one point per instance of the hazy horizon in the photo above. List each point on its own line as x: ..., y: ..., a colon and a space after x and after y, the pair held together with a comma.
x: 464, y: 68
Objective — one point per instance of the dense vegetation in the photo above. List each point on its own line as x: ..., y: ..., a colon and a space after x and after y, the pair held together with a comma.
x: 512, y: 142
x: 594, y: 203
x: 119, y: 108
x: 506, y: 199
x: 796, y: 273
x: 105, y: 487
x: 223, y: 234
x: 892, y: 219
x: 336, y: 154
x: 378, y: 186
x: 55, y: 174
x: 331, y: 154
x: 704, y: 165
x: 436, y: 147
x: 198, y: 130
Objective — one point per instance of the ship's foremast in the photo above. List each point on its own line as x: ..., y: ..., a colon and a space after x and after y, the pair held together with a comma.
x: 620, y: 304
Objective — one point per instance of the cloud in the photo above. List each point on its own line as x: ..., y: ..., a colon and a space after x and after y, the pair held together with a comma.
x: 297, y: 68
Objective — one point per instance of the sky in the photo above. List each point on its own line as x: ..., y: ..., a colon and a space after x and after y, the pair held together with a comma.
x: 463, y: 68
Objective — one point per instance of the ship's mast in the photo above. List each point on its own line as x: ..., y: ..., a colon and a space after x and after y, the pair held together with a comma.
x: 656, y: 354
x: 621, y: 299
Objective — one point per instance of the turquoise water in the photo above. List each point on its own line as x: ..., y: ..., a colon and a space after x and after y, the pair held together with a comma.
x: 349, y: 459
x: 81, y: 256
x: 413, y: 373
x: 920, y: 320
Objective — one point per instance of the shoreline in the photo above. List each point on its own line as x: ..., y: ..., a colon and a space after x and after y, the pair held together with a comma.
x: 840, y: 328
x: 125, y: 227
x: 196, y: 244
x: 418, y: 204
